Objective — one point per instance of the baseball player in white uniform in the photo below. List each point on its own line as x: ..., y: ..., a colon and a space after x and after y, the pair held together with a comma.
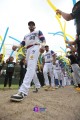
x: 32, y: 44
x: 58, y: 75
x: 48, y: 68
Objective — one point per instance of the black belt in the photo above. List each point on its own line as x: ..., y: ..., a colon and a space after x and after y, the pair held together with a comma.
x: 31, y: 45
x: 48, y: 62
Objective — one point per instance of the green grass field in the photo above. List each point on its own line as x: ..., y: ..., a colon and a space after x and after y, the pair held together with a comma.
x: 13, y: 86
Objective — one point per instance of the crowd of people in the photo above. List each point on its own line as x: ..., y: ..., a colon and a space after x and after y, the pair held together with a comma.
x: 7, y: 69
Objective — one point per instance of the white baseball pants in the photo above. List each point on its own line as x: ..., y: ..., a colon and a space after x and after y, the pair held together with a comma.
x: 32, y: 58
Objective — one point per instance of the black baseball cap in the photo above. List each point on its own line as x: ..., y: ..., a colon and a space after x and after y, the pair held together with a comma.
x: 31, y: 23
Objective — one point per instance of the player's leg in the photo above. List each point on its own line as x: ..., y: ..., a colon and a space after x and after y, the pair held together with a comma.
x: 33, y: 54
x: 45, y: 74
x: 36, y: 82
x: 52, y: 77
x: 10, y: 80
x: 6, y: 80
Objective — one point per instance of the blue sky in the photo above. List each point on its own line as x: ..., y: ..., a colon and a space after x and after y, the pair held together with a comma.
x: 15, y: 14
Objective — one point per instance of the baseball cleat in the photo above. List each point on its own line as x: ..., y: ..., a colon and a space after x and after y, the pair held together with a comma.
x: 36, y: 90
x: 17, y: 97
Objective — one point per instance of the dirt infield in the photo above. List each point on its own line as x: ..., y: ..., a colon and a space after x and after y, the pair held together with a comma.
x: 61, y: 104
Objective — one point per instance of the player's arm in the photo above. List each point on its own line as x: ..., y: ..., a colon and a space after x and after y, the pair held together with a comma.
x: 54, y: 59
x: 42, y: 38
x: 54, y: 56
x: 18, y: 46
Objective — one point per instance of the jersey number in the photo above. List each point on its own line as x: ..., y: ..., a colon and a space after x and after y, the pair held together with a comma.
x: 32, y: 38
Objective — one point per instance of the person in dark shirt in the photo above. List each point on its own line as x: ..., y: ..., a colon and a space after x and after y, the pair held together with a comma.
x: 9, y: 71
x: 76, y: 16
x: 75, y: 67
x: 23, y: 67
x: 73, y: 58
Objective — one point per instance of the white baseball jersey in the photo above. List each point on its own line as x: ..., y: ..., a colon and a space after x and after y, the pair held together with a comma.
x: 48, y: 56
x: 35, y: 37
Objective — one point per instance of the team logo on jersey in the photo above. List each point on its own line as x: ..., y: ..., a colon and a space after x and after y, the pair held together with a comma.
x: 31, y: 57
x: 33, y: 51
